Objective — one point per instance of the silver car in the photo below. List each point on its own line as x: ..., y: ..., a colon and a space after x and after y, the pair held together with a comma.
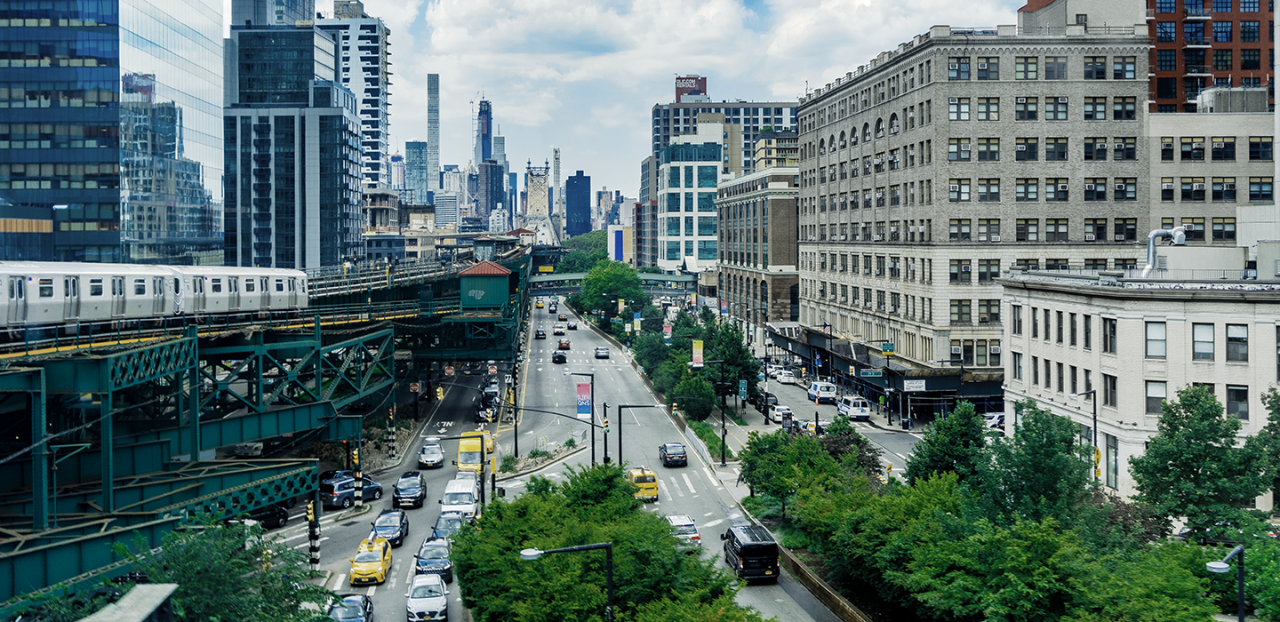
x: 428, y: 598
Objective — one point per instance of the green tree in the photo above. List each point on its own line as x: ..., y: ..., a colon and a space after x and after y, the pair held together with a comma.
x: 1193, y: 468
x: 584, y: 252
x: 727, y: 344
x: 607, y: 281
x: 779, y: 465
x: 1038, y: 473
x: 671, y: 372
x: 954, y: 444
x: 707, y: 315
x: 695, y: 396
x: 845, y: 445
x: 1158, y: 585
x: 691, y: 608
x: 221, y: 574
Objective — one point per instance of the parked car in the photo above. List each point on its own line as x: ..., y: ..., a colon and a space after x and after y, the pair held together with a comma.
x: 763, y: 400
x: 410, y: 489
x: 270, y: 516
x: 672, y: 453
x: 392, y: 526
x: 602, y: 353
x: 777, y: 412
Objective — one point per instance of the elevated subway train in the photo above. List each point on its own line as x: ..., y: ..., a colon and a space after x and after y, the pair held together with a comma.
x: 39, y: 294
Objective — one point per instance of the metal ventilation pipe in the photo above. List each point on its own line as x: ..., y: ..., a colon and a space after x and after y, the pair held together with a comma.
x: 1178, y: 235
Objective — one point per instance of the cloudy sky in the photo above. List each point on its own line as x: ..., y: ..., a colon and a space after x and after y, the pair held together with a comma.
x: 582, y: 75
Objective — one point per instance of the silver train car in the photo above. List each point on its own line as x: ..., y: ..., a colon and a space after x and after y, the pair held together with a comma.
x: 38, y: 294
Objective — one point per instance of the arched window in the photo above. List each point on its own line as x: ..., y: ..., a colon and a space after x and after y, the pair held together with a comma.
x: 831, y: 142
x: 866, y: 132
x: 879, y: 128
x: 822, y: 147
x: 843, y: 143
x: 893, y: 123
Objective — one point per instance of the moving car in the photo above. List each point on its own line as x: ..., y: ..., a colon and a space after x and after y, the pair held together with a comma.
x: 563, y: 318
x: 558, y: 357
x: 392, y: 526
x: 447, y: 525
x: 461, y: 497
x: 786, y: 377
x: 762, y: 401
x: 410, y: 489
x: 270, y: 516
x: 470, y: 454
x: 353, y: 608
x: 822, y: 392
x: 371, y: 563
x: 777, y: 412
x: 750, y: 552
x: 342, y: 493
x: 573, y: 326
x: 773, y: 370
x: 538, y: 304
x: 431, y: 456
x: 684, y: 528
x: 433, y: 558
x: 602, y: 353
x: 558, y: 329
x: 427, y: 598
x: 539, y: 334
x: 854, y: 407
x: 646, y: 483
x: 564, y: 344
x: 672, y: 453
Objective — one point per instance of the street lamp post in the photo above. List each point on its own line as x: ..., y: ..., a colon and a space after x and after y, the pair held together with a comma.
x: 619, y: 422
x: 593, y: 415
x: 533, y: 554
x: 1093, y: 393
x: 1222, y: 567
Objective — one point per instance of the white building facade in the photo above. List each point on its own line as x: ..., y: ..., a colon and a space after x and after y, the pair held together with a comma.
x: 688, y: 175
x: 364, y: 56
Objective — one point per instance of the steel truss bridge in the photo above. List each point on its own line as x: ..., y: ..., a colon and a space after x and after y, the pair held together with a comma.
x: 111, y: 431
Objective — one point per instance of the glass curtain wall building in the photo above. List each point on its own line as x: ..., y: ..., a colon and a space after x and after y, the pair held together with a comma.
x: 112, y: 120
x: 688, y: 173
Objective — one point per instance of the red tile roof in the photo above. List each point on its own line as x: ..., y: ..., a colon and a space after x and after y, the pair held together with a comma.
x: 485, y: 268
x: 519, y: 232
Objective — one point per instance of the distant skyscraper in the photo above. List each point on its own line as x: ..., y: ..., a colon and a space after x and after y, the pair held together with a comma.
x: 364, y: 68
x: 512, y: 204
x: 141, y: 180
x: 577, y: 198
x: 418, y: 174
x: 283, y: 125
x: 397, y: 172
x: 272, y: 12
x: 491, y: 188
x: 484, y: 132
x: 446, y: 208
x: 433, y: 131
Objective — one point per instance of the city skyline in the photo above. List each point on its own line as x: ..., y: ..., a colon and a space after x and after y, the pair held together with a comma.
x: 590, y: 89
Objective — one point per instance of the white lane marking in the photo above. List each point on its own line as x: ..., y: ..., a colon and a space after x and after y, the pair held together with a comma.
x: 342, y: 578
x: 308, y: 543
x: 674, y: 485
x: 408, y: 577
x: 688, y: 483
x: 713, y: 523
x: 394, y: 578
x: 711, y: 477
x: 372, y: 589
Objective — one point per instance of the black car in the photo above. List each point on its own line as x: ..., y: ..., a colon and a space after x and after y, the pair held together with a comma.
x: 448, y: 524
x: 762, y: 401
x: 563, y: 317
x: 750, y: 552
x: 392, y: 525
x: 433, y: 558
x: 539, y: 334
x: 270, y: 516
x: 558, y: 357
x: 410, y: 489
x: 672, y: 453
x: 572, y: 326
x: 353, y: 608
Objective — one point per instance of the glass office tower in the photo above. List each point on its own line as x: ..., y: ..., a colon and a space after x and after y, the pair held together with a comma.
x: 112, y: 119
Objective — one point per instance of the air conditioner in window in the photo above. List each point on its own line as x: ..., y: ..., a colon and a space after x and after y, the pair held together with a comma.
x: 843, y: 238
x: 966, y: 268
x: 995, y: 349
x: 911, y: 152
x: 1168, y: 146
x: 833, y: 296
x: 877, y: 273
x: 982, y: 319
x: 1197, y: 186
x: 1120, y: 145
x: 1197, y: 145
x: 955, y: 349
x: 954, y: 187
x: 982, y: 65
x: 982, y: 237
x: 1022, y: 100
x: 995, y: 238
x: 1063, y: 100
x: 1119, y: 237
x: 877, y: 238
x: 844, y: 300
x: 879, y: 195
x: 877, y: 161
x: 892, y: 309
x: 1088, y: 186
x: 1089, y: 237
x: 953, y: 66
x: 1228, y: 186
x: 1062, y: 186
x: 953, y: 100
x: 964, y: 146
x: 1166, y: 186
x: 1020, y: 148
x: 1100, y: 147
x: 1219, y: 145
x: 1120, y: 186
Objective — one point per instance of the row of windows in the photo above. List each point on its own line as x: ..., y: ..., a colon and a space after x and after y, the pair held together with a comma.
x: 892, y: 303
x: 1028, y: 189
x: 1032, y: 68
x: 1030, y: 108
x: 1216, y: 188
x: 1203, y: 339
x: 1195, y: 33
x: 1198, y: 6
x: 1220, y: 148
x: 705, y: 249
x: 1223, y: 60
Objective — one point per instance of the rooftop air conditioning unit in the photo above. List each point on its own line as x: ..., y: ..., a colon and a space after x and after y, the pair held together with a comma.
x: 1089, y: 237
x: 1228, y: 186
x: 1119, y: 186
x: 1062, y: 186
x: 1166, y: 186
x: 995, y: 238
x: 1088, y: 186
x: 955, y: 349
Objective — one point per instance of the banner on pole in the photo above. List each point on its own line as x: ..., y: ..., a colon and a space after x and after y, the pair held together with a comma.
x: 697, y: 353
x: 584, y: 400
x: 637, y: 320
x: 666, y: 333
x: 621, y: 305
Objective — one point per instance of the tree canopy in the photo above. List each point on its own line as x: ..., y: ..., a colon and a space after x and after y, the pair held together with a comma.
x: 952, y: 444
x: 606, y: 282
x: 584, y: 251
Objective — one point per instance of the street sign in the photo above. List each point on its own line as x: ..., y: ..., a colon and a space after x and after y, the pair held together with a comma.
x: 742, y: 389
x: 448, y: 371
x: 493, y: 370
x: 870, y: 373
x: 913, y: 385
x: 886, y: 348
x: 414, y: 387
x: 1097, y: 456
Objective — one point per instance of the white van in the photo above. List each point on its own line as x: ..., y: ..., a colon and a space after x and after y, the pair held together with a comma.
x: 822, y: 392
x: 463, y: 497
x: 854, y: 407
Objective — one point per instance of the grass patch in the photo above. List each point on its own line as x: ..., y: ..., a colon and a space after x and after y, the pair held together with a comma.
x: 538, y: 454
x: 570, y: 444
x: 508, y: 463
x: 710, y: 438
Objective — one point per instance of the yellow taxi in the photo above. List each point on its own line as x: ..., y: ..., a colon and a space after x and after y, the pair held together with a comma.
x: 372, y: 562
x: 646, y: 483
x: 539, y: 304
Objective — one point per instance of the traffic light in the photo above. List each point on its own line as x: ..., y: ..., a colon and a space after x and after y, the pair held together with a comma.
x: 311, y: 511
x: 440, y: 394
x: 355, y: 456
x: 606, y: 425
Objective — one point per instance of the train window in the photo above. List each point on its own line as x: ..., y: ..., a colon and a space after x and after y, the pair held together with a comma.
x: 233, y: 285
x: 293, y: 285
x: 248, y: 285
x: 95, y: 287
x: 217, y: 286
x: 139, y: 287
x: 177, y: 286
x: 279, y: 285
x: 46, y: 288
